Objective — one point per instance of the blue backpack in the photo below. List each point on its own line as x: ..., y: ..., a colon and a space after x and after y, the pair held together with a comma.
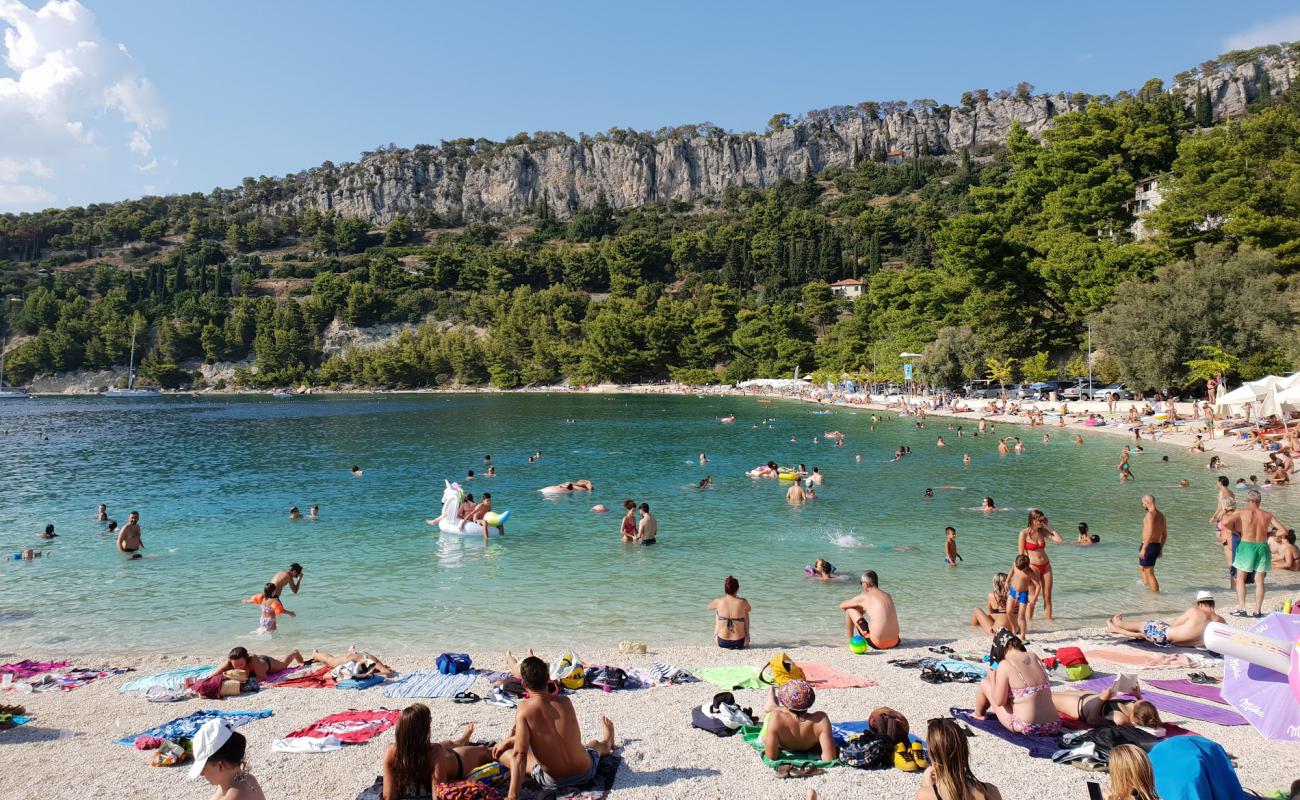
x: 453, y: 663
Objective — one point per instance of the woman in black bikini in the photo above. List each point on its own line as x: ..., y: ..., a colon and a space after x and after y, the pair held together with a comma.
x: 731, y: 626
x: 413, y: 765
x: 257, y: 666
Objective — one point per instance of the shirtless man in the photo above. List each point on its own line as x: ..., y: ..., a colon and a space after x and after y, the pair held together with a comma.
x: 816, y: 477
x: 128, y: 538
x: 1285, y: 554
x: 1253, y: 555
x: 291, y: 577
x: 871, y: 614
x: 546, y: 742
x: 1154, y: 533
x: 478, y: 513
x: 789, y: 725
x: 648, y: 528
x: 1186, y: 631
x: 795, y: 495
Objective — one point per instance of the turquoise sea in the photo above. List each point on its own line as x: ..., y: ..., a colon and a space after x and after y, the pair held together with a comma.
x: 214, y: 477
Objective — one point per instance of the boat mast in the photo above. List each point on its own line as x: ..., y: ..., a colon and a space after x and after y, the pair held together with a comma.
x: 130, y: 375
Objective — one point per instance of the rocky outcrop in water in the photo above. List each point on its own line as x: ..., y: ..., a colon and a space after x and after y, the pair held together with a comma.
x: 489, y: 181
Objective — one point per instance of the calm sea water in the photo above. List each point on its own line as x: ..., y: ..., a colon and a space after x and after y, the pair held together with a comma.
x: 213, y: 479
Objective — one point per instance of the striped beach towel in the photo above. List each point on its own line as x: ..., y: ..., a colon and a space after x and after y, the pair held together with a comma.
x: 431, y: 683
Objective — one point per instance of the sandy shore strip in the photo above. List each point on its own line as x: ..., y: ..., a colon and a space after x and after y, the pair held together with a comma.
x: 69, y: 750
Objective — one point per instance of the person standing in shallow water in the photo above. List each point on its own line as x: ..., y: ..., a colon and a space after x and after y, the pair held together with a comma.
x: 128, y: 538
x: 1154, y: 533
x: 1033, y: 544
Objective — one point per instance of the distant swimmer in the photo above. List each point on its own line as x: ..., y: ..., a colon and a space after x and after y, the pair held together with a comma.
x: 492, y: 472
x: 128, y: 539
x: 939, y: 442
x: 627, y: 528
x: 815, y: 477
x: 929, y: 493
x: 727, y: 419
x: 111, y: 530
x: 48, y: 533
x: 469, y: 476
x: 600, y: 508
x: 315, y: 513
x: 29, y: 554
x: 988, y: 505
x: 291, y: 577
x: 704, y: 459
x: 1078, y: 439
x: 583, y: 485
x: 1002, y: 447
x: 295, y: 514
x: 706, y: 483
x: 1085, y: 539
x: 356, y: 471
x: 102, y: 514
x: 648, y: 528
x: 824, y: 570
x: 965, y: 458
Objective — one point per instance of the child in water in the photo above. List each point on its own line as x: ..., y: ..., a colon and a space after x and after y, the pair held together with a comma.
x: 271, y: 608
x: 1086, y: 538
x: 950, y: 547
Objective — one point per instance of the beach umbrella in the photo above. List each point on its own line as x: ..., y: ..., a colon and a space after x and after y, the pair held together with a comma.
x: 1263, y: 696
x: 1251, y: 392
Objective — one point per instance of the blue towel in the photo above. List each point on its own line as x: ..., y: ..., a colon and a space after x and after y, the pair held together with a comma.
x: 1194, y: 768
x: 430, y: 683
x: 171, y: 679
x: 360, y: 683
x: 186, y: 727
x: 843, y: 730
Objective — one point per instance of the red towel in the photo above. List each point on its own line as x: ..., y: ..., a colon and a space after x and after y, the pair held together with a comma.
x: 351, y: 727
x: 319, y: 679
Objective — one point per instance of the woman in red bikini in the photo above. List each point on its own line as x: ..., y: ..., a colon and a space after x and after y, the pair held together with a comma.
x: 1033, y: 543
x: 628, y: 526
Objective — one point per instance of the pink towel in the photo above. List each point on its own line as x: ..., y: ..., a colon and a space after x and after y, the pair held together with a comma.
x: 1133, y: 657
x: 824, y: 677
x: 26, y: 669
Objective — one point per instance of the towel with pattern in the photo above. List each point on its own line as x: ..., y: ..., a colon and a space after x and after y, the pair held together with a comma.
x: 186, y: 727
x: 431, y: 683
x: 667, y: 673
x: 316, y: 679
x: 172, y: 679
x: 349, y: 727
x: 27, y: 668
x: 73, y: 678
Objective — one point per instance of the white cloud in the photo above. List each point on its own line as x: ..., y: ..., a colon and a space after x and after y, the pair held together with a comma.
x: 150, y: 167
x: 1282, y: 29
x: 66, y: 75
x: 20, y: 196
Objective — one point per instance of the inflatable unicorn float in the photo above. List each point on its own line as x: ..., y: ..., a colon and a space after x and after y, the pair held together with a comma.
x: 450, y: 521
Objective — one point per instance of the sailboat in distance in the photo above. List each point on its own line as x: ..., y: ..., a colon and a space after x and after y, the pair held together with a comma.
x: 130, y: 390
x: 11, y: 393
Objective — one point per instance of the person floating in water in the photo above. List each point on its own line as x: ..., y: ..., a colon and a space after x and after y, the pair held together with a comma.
x: 706, y: 483
x: 356, y: 471
x: 102, y: 514
x: 315, y: 513
x: 128, y: 539
x: 48, y: 533
x: 1086, y: 538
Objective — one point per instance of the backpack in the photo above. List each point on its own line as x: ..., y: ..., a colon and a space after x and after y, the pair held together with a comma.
x: 866, y: 750
x: 722, y: 717
x: 453, y: 663
x: 1075, y: 663
x: 607, y: 678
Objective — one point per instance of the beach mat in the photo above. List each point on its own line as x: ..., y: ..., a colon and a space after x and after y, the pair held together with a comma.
x: 1173, y: 704
x: 822, y: 676
x: 1038, y: 746
x: 729, y: 678
x: 74, y: 678
x: 430, y: 683
x: 317, y: 679
x: 172, y: 679
x: 750, y: 733
x: 186, y: 727
x: 27, y: 668
x: 1204, y: 691
x: 1132, y: 654
x: 358, y: 684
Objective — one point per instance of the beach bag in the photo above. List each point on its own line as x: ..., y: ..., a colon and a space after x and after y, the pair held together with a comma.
x: 889, y: 725
x: 493, y: 773
x: 209, y: 688
x: 568, y: 670
x: 866, y: 750
x: 608, y: 678
x: 453, y: 663
x: 511, y: 685
x: 780, y: 671
x: 1075, y: 663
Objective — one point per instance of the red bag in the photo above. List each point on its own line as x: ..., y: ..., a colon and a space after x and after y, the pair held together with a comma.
x: 208, y: 687
x: 1071, y: 656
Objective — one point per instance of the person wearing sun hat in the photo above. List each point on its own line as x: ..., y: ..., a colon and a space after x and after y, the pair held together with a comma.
x: 219, y: 758
x: 789, y: 725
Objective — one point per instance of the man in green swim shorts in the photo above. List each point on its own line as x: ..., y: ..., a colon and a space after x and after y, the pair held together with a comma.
x: 1252, y: 523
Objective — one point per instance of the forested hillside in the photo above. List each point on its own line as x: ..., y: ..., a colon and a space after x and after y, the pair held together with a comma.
x: 993, y: 259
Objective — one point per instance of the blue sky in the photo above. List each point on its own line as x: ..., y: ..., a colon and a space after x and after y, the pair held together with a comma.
x: 200, y: 94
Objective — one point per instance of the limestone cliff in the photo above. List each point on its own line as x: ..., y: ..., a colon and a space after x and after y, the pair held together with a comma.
x: 502, y: 181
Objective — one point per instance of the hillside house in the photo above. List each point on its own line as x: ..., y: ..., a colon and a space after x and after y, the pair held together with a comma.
x: 895, y: 157
x: 849, y: 288
x: 1146, y: 198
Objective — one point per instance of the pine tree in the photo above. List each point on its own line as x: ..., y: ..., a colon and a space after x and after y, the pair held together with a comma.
x: 965, y: 162
x: 1265, y: 88
x: 873, y: 252
x: 1204, y: 108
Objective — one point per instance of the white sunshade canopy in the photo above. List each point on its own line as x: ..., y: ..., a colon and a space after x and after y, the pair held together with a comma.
x: 1255, y: 392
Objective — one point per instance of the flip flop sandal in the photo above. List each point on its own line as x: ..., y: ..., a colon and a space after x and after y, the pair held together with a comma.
x: 1202, y: 678
x: 466, y: 697
x: 806, y: 772
x: 942, y: 650
x: 784, y: 770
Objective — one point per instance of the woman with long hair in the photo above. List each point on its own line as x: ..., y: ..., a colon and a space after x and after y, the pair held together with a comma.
x: 949, y: 776
x: 413, y: 764
x: 996, y: 616
x: 1018, y: 691
x: 1131, y: 776
x: 1033, y: 543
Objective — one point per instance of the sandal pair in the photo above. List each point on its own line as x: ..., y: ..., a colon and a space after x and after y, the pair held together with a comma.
x: 466, y: 697
x: 792, y: 771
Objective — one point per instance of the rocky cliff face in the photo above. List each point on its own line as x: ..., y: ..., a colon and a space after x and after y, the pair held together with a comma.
x: 511, y: 181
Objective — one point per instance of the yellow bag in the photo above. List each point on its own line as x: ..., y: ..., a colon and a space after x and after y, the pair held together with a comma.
x: 783, y: 670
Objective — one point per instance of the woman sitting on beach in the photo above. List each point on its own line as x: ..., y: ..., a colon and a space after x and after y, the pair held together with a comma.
x: 256, y: 666
x: 1131, y: 776
x: 996, y: 616
x: 789, y: 725
x: 1017, y: 692
x: 413, y: 765
x: 949, y: 776
x: 731, y: 623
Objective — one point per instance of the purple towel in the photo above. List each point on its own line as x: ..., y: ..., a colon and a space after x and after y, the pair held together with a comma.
x: 1172, y: 704
x: 1038, y: 746
x: 27, y: 668
x: 1204, y: 691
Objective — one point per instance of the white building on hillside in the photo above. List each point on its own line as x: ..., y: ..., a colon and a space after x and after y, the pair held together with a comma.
x: 849, y: 288
x: 1146, y: 198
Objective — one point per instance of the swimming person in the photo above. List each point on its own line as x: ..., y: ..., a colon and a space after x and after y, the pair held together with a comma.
x: 546, y: 743
x: 413, y: 765
x: 356, y: 471
x: 1086, y: 538
x: 1017, y: 691
x: 789, y: 725
x: 219, y: 758
x: 731, y: 617
x: 1252, y: 524
x: 949, y: 776
x: 988, y: 505
x: 706, y: 483
x: 257, y: 666
x: 704, y: 459
x: 1154, y: 533
x: 102, y: 514
x: 823, y: 571
x: 628, y: 526
x: 48, y: 533
x: 871, y: 614
x: 648, y: 528
x: 295, y: 514
x: 1024, y: 586
x: 1186, y: 631
x: 950, y: 547
x: 291, y: 577
x: 128, y: 538
x: 1033, y: 543
x: 996, y: 616
x: 271, y: 608
x: 815, y: 477
x: 315, y: 513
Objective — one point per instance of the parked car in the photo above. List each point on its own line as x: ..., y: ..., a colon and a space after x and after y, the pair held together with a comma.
x: 981, y: 390
x: 1040, y: 390
x: 1080, y: 389
x: 1120, y: 391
